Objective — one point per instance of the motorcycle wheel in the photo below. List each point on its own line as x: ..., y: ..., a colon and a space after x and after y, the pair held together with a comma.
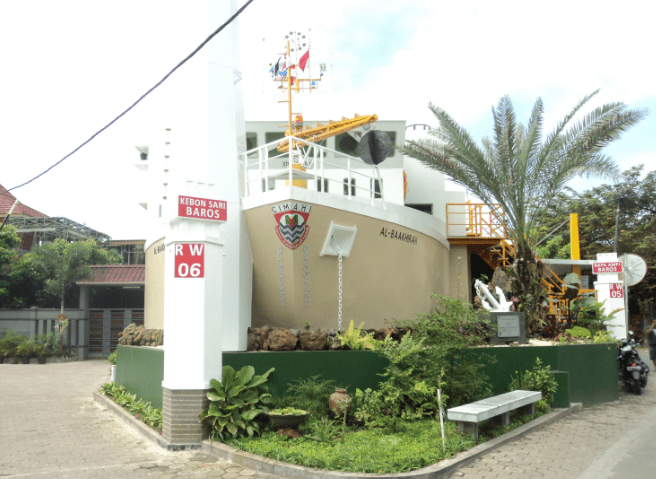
x: 637, y: 390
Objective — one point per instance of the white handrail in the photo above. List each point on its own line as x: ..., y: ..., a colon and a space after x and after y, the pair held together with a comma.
x: 319, y: 168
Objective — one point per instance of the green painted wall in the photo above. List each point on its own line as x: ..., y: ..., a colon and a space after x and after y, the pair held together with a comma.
x: 350, y: 369
x: 141, y: 371
x: 591, y: 368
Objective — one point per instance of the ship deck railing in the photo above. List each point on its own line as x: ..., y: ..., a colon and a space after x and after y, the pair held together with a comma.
x: 260, y: 176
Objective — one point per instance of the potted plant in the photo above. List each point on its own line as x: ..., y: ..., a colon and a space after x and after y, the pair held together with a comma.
x: 25, y: 350
x: 112, y: 361
x: 287, y: 417
x: 8, y: 346
x: 41, y: 350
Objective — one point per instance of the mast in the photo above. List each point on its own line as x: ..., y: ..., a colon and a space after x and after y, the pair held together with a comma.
x: 289, y: 86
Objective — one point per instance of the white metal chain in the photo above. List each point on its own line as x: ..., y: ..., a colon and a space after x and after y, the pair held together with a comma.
x: 339, y: 253
x: 339, y: 320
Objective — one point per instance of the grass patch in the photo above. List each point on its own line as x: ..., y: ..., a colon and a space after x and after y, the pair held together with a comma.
x: 489, y: 430
x: 330, y: 445
x: 417, y: 445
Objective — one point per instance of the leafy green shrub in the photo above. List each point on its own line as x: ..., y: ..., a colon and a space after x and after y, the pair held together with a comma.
x: 540, y: 379
x: 355, y: 339
x: 579, y: 332
x: 603, y: 336
x: 9, y: 343
x: 447, y: 335
x: 590, y: 313
x: 234, y: 402
x: 405, y: 392
x: 310, y: 394
x: 26, y: 348
x: 112, y: 358
x: 287, y: 411
x: 141, y: 409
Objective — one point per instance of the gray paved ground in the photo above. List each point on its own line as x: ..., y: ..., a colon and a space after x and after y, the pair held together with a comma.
x: 50, y: 427
x: 579, y: 446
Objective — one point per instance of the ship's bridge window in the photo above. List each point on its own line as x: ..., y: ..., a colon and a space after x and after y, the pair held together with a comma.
x: 426, y: 208
x: 346, y: 190
x: 374, y: 185
x: 348, y: 143
x: 392, y: 135
x: 325, y: 184
x: 270, y: 136
x: 251, y: 143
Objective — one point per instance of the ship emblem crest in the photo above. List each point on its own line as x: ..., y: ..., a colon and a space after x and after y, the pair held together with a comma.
x: 292, y: 221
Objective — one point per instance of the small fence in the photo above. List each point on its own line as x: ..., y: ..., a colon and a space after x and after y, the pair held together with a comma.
x: 90, y: 334
x: 311, y: 169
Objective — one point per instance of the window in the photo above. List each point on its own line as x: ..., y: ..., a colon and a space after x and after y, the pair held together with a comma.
x: 374, y: 185
x: 272, y: 185
x: 346, y: 190
x: 270, y: 136
x: 346, y: 143
x: 392, y: 135
x: 426, y: 208
x: 251, y: 143
x: 325, y: 184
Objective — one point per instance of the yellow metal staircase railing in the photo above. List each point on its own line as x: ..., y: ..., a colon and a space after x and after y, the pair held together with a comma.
x: 483, y: 230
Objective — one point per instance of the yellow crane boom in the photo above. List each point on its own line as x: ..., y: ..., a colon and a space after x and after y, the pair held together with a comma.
x: 321, y: 131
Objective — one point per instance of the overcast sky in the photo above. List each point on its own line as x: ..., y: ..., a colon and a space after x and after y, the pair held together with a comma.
x: 69, y: 67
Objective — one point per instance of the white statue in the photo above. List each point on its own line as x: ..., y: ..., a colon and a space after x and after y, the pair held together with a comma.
x: 489, y: 301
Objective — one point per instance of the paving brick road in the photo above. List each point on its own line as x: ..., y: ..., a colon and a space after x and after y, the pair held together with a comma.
x: 51, y: 428
x: 578, y: 446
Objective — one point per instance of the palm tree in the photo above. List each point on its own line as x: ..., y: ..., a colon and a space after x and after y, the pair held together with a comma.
x: 523, y: 173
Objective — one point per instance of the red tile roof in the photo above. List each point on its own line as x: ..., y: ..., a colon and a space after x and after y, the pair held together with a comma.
x: 112, y: 275
x: 7, y: 201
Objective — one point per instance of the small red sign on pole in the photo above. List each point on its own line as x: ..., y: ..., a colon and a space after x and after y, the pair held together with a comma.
x: 202, y: 208
x: 616, y: 290
x: 610, y: 267
x: 189, y: 260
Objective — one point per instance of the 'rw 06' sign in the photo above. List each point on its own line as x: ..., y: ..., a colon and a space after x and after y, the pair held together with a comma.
x: 189, y: 260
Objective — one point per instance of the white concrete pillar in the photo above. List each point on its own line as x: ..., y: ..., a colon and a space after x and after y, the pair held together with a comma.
x: 611, y: 292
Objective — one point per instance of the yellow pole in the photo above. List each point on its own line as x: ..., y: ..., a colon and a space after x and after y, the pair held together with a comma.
x: 289, y: 88
x: 574, y: 241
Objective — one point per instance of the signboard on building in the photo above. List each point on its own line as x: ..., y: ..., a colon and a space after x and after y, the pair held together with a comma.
x: 202, y: 208
x: 616, y: 290
x: 189, y: 260
x: 607, y: 267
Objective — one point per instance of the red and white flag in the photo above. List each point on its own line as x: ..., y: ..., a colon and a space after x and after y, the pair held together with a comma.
x: 304, y: 59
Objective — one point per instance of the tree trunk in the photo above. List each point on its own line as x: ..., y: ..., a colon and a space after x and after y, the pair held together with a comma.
x: 527, y: 275
x: 61, y: 330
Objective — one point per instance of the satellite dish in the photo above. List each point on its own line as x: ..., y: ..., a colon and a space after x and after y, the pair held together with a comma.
x: 375, y: 146
x: 635, y: 268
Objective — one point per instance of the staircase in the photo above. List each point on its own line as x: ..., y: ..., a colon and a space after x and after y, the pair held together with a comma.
x: 482, y: 228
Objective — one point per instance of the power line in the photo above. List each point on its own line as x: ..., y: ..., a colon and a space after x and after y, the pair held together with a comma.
x: 218, y: 30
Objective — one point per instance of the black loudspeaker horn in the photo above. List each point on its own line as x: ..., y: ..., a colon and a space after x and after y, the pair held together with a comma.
x: 375, y: 147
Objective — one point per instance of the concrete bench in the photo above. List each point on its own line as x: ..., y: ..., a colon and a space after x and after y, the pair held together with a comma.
x: 468, y: 416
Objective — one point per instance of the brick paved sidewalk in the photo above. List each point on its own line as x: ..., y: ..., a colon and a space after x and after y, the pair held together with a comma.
x: 565, y: 449
x: 50, y: 427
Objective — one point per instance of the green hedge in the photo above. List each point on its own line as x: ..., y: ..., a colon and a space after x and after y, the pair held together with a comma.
x: 592, y: 368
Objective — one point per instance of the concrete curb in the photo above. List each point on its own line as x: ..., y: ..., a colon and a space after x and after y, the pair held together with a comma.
x: 291, y: 471
x: 140, y: 426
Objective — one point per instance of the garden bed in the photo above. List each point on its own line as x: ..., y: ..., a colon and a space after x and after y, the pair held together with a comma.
x: 415, y: 445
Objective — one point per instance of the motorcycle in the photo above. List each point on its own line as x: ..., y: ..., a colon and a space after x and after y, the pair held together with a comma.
x: 633, y: 371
